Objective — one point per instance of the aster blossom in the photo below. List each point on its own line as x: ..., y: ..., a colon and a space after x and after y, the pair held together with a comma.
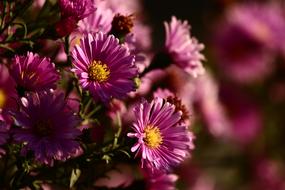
x: 47, y: 127
x: 99, y: 20
x: 77, y: 9
x: 159, y: 180
x: 183, y: 49
x: 163, y: 141
x: 163, y: 181
x: 34, y: 73
x: 8, y: 93
x: 104, y: 67
x: 248, y: 39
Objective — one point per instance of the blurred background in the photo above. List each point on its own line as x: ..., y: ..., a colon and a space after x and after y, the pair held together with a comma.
x: 238, y: 113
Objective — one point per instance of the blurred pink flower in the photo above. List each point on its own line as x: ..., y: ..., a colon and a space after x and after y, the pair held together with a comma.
x: 99, y: 20
x: 121, y: 176
x: 183, y: 49
x: 243, y: 114
x: 8, y: 102
x: 268, y: 175
x: 248, y: 39
x: 160, y: 180
x: 208, y: 105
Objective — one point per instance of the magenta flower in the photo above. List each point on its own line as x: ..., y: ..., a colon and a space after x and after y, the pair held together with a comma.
x: 247, y: 41
x: 77, y: 9
x: 243, y: 114
x: 8, y: 102
x: 183, y: 49
x: 99, y: 20
x: 267, y: 174
x: 125, y: 7
x: 47, y: 127
x: 205, y: 97
x: 71, y: 12
x: 104, y: 67
x: 163, y: 141
x: 160, y: 180
x: 8, y: 93
x: 34, y: 73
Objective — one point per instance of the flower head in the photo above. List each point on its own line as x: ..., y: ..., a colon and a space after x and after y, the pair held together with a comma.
x: 77, y: 9
x: 34, y: 73
x: 47, y: 127
x: 162, y: 181
x: 99, y: 20
x: 104, y: 67
x: 8, y: 93
x: 8, y: 102
x: 163, y: 141
x: 183, y: 49
x: 247, y: 40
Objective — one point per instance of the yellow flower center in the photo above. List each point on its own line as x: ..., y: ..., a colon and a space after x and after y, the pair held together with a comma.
x: 2, y: 98
x: 153, y: 138
x: 98, y: 71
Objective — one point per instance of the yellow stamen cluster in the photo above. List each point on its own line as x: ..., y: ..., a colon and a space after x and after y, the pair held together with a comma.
x: 153, y: 138
x: 2, y: 98
x: 98, y: 71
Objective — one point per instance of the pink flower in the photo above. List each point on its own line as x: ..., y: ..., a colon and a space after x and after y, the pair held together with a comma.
x: 162, y: 141
x: 47, y: 126
x: 77, y: 9
x: 104, y: 67
x: 34, y: 73
x: 183, y: 49
x: 248, y: 39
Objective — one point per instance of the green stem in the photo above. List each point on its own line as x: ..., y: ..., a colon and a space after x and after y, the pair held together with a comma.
x: 118, y: 133
x: 93, y: 111
x: 66, y: 49
x: 18, y: 13
x: 87, y: 106
x: 4, y: 13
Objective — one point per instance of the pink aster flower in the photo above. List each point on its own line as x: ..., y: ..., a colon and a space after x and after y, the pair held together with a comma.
x: 104, y: 67
x: 161, y: 180
x: 163, y: 141
x: 248, y: 39
x: 243, y: 114
x: 8, y: 102
x: 47, y: 127
x: 34, y: 73
x: 267, y: 175
x: 8, y: 93
x: 71, y: 12
x: 99, y: 20
x: 77, y: 9
x: 183, y: 49
x: 207, y: 104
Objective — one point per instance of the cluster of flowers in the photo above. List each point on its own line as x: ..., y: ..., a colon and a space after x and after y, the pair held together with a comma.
x: 90, y: 99
x: 57, y: 114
